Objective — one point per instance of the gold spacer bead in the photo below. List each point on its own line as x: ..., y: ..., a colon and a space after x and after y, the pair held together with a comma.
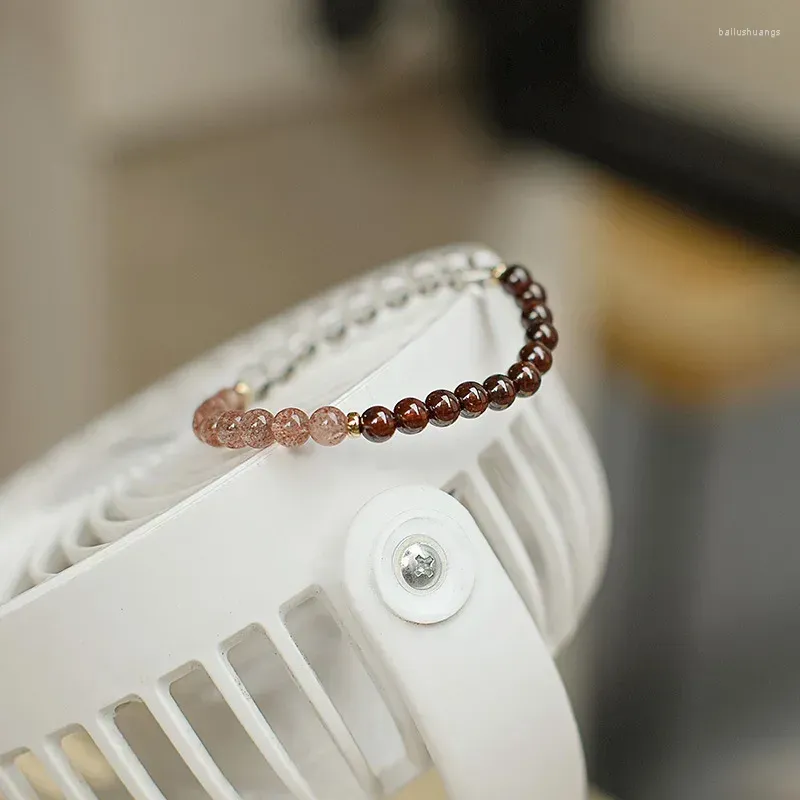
x: 354, y: 425
x: 244, y: 390
x: 498, y: 271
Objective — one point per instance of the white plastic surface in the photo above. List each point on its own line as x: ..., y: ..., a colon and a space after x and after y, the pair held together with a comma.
x: 130, y: 562
x: 500, y: 699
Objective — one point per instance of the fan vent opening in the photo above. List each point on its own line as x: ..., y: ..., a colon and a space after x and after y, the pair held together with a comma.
x: 338, y: 665
x: 548, y: 472
x: 26, y: 777
x: 291, y: 716
x: 222, y: 735
x: 92, y: 766
x: 475, y: 493
x: 156, y: 753
x: 505, y: 482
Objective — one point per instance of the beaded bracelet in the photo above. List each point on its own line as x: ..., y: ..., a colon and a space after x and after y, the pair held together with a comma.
x: 223, y: 421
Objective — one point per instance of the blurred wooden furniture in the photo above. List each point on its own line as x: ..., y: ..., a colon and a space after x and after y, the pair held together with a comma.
x: 698, y: 311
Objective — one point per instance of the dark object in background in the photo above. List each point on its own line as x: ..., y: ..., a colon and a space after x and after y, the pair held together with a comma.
x: 537, y: 83
x: 348, y: 21
x: 530, y: 61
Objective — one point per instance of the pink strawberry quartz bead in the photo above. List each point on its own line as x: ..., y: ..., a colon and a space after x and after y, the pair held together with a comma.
x: 209, y: 411
x: 212, y: 407
x: 290, y: 427
x: 328, y: 426
x: 208, y: 431
x: 257, y: 428
x: 229, y: 429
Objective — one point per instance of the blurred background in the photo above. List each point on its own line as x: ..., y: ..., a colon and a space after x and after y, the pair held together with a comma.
x: 174, y: 171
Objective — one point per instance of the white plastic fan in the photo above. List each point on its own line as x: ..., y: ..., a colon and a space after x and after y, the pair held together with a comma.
x: 181, y: 622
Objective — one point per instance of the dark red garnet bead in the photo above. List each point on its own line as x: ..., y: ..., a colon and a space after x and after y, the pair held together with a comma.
x: 473, y: 398
x: 527, y: 379
x: 501, y: 391
x: 516, y: 280
x: 443, y: 408
x: 534, y: 295
x: 538, y: 355
x: 535, y: 315
x: 544, y: 333
x: 377, y: 424
x: 410, y: 415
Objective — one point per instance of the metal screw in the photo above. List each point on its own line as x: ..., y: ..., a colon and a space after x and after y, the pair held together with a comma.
x: 420, y: 566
